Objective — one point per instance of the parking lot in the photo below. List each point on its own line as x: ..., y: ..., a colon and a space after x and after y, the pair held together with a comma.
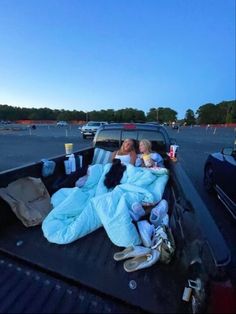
x: 22, y: 146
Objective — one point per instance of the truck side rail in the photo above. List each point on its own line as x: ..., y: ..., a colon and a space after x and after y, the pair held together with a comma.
x: 202, y: 218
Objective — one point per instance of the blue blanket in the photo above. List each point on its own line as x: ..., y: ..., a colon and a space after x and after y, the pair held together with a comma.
x: 79, y: 211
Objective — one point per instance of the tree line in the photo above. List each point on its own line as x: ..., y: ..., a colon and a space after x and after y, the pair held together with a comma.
x: 223, y: 112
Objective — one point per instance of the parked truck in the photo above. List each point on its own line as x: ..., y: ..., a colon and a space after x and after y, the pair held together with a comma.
x: 38, y: 276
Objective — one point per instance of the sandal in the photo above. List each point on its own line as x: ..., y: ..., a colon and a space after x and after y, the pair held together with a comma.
x: 141, y: 262
x: 131, y: 251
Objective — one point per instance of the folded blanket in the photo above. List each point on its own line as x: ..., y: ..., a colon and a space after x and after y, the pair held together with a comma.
x: 79, y: 211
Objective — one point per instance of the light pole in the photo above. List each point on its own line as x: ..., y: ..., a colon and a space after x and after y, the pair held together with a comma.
x: 157, y: 114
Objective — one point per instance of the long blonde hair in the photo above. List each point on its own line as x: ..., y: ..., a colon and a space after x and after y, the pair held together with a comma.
x: 127, y: 139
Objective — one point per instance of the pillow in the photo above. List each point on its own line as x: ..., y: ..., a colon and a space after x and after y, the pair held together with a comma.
x: 101, y: 156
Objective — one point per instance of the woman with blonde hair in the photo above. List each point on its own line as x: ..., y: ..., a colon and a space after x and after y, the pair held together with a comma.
x: 149, y: 159
x: 126, y: 153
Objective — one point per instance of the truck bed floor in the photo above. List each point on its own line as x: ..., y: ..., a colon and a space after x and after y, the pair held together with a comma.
x: 26, y: 290
x: 89, y: 262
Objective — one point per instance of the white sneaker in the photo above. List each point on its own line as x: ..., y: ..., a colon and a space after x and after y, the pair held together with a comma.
x: 158, y: 237
x: 146, y: 231
x: 136, y: 211
x: 158, y: 213
x: 165, y: 220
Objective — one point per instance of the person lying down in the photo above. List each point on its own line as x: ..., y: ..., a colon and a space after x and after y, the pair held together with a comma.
x: 104, y: 200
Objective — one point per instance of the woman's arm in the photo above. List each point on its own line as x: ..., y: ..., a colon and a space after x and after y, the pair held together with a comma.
x: 158, y: 159
x: 133, y: 157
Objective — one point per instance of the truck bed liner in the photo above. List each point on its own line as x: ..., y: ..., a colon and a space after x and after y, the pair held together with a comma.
x: 26, y: 290
x: 89, y: 261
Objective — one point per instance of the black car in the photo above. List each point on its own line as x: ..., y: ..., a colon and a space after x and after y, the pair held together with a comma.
x: 220, y: 176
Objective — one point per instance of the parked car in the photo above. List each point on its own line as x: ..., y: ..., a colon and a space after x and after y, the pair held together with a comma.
x: 62, y: 123
x: 5, y: 122
x: 220, y: 176
x: 91, y: 128
x: 80, y: 127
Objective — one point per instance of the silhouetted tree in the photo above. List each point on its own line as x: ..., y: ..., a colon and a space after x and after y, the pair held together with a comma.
x: 223, y: 112
x: 189, y: 117
x: 161, y: 115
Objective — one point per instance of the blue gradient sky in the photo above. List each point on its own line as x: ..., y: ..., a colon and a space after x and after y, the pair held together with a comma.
x: 100, y: 54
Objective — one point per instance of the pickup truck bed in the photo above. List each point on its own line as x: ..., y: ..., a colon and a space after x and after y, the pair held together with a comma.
x: 89, y: 262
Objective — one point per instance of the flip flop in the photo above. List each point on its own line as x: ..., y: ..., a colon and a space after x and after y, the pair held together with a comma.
x: 141, y: 262
x: 131, y: 251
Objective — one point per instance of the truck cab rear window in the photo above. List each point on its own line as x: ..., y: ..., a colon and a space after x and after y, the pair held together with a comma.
x: 113, y: 142
x: 116, y: 138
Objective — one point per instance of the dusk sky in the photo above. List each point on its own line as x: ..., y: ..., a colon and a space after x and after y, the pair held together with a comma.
x: 113, y: 54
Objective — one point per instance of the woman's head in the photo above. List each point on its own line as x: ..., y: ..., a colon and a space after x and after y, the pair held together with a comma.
x: 115, y: 174
x: 128, y: 145
x: 145, y: 146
